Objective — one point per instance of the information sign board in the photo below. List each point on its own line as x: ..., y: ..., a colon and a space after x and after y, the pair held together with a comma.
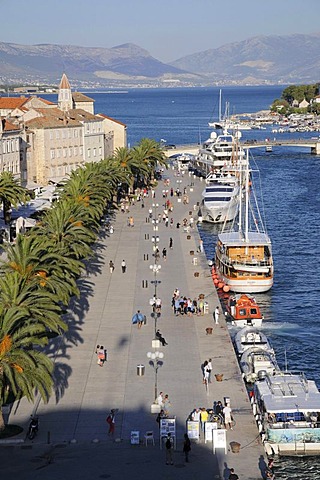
x: 208, y: 428
x: 219, y: 439
x: 135, y: 437
x: 193, y: 430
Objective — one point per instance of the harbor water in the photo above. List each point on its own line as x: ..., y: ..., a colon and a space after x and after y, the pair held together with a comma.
x: 291, y: 204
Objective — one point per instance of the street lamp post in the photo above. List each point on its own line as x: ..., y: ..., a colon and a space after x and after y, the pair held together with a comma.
x: 155, y: 361
x: 155, y: 220
x: 155, y: 269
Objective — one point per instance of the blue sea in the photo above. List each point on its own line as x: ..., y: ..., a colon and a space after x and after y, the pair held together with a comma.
x: 291, y: 194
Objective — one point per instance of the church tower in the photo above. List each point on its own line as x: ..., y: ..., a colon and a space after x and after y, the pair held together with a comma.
x: 64, y: 95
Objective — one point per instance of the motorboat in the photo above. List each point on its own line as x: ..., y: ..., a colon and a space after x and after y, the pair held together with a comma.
x: 243, y: 255
x: 243, y: 311
x: 256, y: 363
x: 249, y: 337
x: 220, y: 202
x: 287, y: 408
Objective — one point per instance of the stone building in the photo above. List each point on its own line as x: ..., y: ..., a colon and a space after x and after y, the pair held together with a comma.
x: 55, y: 139
x: 12, y: 153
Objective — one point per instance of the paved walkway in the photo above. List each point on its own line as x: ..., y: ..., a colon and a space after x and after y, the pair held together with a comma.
x: 86, y: 392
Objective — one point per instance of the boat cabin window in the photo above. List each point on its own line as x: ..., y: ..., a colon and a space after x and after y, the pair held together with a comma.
x: 242, y: 312
x: 290, y: 417
x: 253, y: 311
x: 217, y: 199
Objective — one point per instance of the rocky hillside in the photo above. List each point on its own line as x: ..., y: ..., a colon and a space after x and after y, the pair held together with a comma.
x: 278, y: 59
x: 257, y: 60
x: 47, y: 62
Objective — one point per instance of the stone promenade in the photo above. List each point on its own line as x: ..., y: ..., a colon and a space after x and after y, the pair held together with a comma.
x: 73, y: 441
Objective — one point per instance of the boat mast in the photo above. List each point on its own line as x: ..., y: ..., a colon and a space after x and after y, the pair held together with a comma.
x: 220, y: 100
x: 241, y: 199
x: 247, y: 200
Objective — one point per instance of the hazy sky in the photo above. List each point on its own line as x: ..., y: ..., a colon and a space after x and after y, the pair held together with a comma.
x: 168, y: 29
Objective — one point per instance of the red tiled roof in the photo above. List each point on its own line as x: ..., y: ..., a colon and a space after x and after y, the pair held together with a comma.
x: 80, y: 97
x: 8, y: 126
x: 112, y: 119
x: 12, y: 102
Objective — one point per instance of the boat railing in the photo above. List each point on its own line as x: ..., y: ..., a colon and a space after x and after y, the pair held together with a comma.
x: 286, y: 383
x: 252, y: 262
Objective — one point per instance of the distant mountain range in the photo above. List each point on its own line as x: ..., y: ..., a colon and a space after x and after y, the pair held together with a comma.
x: 258, y: 60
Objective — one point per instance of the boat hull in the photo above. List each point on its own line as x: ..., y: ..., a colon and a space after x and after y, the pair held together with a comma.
x: 246, y: 284
x: 247, y: 322
x: 216, y: 214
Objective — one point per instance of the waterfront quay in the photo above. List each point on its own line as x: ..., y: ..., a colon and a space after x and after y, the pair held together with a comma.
x: 73, y: 438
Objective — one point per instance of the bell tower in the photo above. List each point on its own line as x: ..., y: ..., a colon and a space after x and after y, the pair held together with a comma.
x: 64, y: 96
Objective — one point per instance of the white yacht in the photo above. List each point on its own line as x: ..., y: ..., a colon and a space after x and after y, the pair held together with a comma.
x: 220, y: 198
x: 220, y: 151
x: 287, y: 408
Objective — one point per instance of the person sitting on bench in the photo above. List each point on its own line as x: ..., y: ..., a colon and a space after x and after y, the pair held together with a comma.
x: 160, y: 338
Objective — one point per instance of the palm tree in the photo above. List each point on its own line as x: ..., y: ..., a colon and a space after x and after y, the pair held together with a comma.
x: 24, y: 370
x: 64, y: 229
x: 27, y: 304
x: 148, y: 154
x: 11, y: 193
x: 33, y: 260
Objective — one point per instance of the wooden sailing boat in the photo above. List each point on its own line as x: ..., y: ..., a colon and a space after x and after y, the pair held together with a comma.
x: 243, y: 256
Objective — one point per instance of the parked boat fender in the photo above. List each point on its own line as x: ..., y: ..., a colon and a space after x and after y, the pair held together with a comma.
x: 226, y: 288
x: 221, y: 285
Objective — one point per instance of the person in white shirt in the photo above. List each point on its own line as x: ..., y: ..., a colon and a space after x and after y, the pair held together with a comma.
x: 227, y: 416
x: 217, y: 315
x: 160, y: 399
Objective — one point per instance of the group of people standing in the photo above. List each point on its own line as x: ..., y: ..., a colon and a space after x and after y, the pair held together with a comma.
x: 183, y: 305
x: 218, y: 413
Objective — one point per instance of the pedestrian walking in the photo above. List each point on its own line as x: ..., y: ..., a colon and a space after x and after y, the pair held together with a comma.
x: 227, y: 416
x: 217, y: 315
x: 111, y: 420
x: 233, y: 476
x: 101, y: 355
x: 169, y: 448
x: 123, y: 266
x: 209, y: 369
x: 186, y: 447
x: 203, y: 418
x: 171, y: 243
x: 159, y: 400
x: 111, y: 266
x: 96, y: 352
x: 160, y: 416
x: 166, y: 404
x: 164, y: 254
x: 140, y: 317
